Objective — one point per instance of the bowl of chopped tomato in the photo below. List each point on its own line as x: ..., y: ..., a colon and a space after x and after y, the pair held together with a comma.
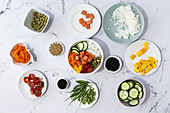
x: 85, y: 56
x: 21, y: 55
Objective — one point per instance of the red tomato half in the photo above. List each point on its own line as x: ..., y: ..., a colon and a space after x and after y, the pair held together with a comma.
x: 32, y: 91
x: 38, y: 93
x: 83, y: 70
x: 36, y: 80
x: 38, y: 88
x: 89, y: 70
x: 31, y: 84
x: 31, y: 76
x: 26, y: 79
x: 41, y: 84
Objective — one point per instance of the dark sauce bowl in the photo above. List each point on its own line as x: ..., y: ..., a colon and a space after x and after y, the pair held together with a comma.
x: 62, y: 84
x: 113, y: 64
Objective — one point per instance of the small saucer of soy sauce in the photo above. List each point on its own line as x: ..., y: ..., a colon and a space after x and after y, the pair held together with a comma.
x: 113, y: 64
x: 62, y: 83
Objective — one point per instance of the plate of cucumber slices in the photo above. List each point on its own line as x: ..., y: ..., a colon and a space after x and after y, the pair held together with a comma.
x: 131, y: 93
x: 85, y: 56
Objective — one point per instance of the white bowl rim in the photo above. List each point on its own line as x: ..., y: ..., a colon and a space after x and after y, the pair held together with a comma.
x: 120, y: 62
x: 102, y: 54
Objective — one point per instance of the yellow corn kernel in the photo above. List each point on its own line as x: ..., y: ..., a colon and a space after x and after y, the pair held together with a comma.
x: 136, y: 70
x: 143, y: 73
x: 154, y: 65
x: 150, y: 58
x: 133, y: 56
x: 156, y: 61
x: 136, y: 65
x: 138, y: 54
x: 140, y: 69
x: 146, y: 44
x: 146, y: 47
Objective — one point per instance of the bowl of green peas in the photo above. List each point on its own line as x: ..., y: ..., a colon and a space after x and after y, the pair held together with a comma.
x: 36, y: 20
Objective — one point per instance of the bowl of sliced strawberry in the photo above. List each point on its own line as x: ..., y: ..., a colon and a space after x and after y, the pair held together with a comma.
x: 85, y: 56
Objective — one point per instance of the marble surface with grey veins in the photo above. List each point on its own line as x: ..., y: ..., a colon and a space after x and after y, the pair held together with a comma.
x: 12, y: 31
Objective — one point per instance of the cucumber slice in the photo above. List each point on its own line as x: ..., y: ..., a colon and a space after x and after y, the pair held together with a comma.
x: 131, y: 84
x: 137, y: 83
x: 140, y: 95
x: 123, y: 94
x: 74, y: 48
x: 126, y: 100
x: 133, y: 93
x: 125, y: 86
x: 80, y: 46
x: 138, y: 87
x: 134, y: 102
x: 85, y: 45
x: 130, y: 98
x: 75, y: 51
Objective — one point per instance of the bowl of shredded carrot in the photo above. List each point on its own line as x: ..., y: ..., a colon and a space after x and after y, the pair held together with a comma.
x: 20, y: 54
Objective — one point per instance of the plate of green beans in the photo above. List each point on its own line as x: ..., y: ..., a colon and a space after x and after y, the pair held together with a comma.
x: 83, y: 94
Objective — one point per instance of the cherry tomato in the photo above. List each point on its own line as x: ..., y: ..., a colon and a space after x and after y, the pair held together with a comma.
x: 89, y: 70
x: 85, y: 66
x: 31, y: 84
x: 88, y: 65
x: 41, y: 84
x: 32, y: 91
x: 26, y: 79
x: 31, y: 76
x: 38, y: 93
x: 83, y: 70
x: 38, y: 88
x: 36, y: 80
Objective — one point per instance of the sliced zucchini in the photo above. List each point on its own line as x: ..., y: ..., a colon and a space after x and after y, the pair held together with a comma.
x: 85, y: 45
x: 131, y: 84
x: 125, y: 86
x: 74, y: 48
x: 138, y: 87
x: 133, y: 93
x: 123, y: 94
x: 75, y: 51
x: 134, y: 102
x: 126, y: 100
x: 137, y: 83
x: 80, y: 46
x: 130, y: 98
x: 140, y: 95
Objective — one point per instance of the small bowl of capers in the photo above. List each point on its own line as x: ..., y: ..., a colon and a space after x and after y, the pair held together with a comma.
x: 36, y: 20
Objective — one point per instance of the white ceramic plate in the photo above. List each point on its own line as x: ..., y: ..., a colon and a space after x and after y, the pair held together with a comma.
x: 153, y: 51
x: 25, y: 89
x: 77, y: 103
x: 140, y: 100
x: 96, y: 53
x: 72, y: 21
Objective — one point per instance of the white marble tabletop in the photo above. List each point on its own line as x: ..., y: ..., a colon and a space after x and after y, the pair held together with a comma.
x: 12, y: 14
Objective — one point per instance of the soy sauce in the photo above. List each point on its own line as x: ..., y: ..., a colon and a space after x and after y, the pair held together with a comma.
x: 112, y: 64
x: 62, y: 83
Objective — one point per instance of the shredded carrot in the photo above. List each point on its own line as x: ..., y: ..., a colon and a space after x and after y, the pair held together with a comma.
x: 21, y: 55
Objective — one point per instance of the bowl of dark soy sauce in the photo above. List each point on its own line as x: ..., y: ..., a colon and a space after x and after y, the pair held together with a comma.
x: 113, y: 64
x: 62, y: 83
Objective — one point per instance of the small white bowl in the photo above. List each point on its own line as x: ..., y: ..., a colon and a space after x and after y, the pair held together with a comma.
x: 120, y: 62
x: 62, y: 47
x: 68, y: 83
x: 21, y: 64
x: 140, y: 100
x: 29, y: 18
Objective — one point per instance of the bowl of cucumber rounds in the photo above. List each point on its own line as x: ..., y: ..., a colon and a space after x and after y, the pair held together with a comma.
x: 131, y: 93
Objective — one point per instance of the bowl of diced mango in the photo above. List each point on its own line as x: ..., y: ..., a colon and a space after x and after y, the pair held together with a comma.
x: 143, y: 57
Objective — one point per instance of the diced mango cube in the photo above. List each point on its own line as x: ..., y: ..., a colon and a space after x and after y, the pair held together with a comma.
x: 156, y: 61
x: 136, y: 65
x: 146, y: 44
x: 138, y: 54
x: 154, y: 65
x: 150, y: 58
x: 133, y: 56
x: 141, y: 61
x: 146, y: 47
x: 147, y: 70
x: 150, y: 67
x: 140, y: 69
x: 136, y: 70
x: 143, y: 50
x: 143, y: 73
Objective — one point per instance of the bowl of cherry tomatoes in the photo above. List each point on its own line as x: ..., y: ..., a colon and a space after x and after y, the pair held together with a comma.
x: 32, y: 84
